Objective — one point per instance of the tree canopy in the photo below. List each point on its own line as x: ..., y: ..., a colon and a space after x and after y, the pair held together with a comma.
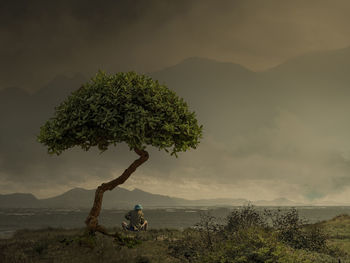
x: 124, y: 107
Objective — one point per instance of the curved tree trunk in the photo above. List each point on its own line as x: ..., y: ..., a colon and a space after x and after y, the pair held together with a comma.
x: 92, y: 219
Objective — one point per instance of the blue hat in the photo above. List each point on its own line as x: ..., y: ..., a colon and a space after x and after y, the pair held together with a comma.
x: 138, y: 207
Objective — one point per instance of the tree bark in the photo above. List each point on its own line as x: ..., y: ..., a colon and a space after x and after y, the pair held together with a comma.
x: 92, y: 219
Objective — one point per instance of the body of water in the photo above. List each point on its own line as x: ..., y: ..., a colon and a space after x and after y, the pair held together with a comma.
x: 179, y: 218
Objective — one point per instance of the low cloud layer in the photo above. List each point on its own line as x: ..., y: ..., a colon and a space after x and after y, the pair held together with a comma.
x: 287, y: 159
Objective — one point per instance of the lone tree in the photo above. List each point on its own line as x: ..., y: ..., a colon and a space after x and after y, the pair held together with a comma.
x: 125, y: 107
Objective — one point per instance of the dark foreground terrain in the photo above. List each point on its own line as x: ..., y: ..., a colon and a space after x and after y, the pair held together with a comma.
x: 246, y: 235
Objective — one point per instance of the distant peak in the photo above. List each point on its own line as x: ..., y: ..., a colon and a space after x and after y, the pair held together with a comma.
x: 281, y: 199
x: 20, y: 195
x: 78, y: 189
x: 198, y: 59
x: 138, y: 190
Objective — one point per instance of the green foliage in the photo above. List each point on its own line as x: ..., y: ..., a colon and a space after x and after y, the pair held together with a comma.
x: 189, y: 247
x: 75, y: 245
x: 85, y: 240
x: 294, y: 231
x: 249, y: 244
x: 246, y: 245
x: 125, y: 241
x: 253, y: 235
x: 125, y: 107
x: 246, y: 217
x: 208, y: 227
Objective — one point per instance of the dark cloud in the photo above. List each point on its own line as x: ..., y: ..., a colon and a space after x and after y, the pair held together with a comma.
x: 41, y: 39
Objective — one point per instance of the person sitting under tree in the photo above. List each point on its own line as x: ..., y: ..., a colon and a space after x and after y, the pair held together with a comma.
x: 137, y: 220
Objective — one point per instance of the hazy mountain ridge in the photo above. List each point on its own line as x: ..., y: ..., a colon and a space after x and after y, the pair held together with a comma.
x: 121, y: 198
x: 18, y: 200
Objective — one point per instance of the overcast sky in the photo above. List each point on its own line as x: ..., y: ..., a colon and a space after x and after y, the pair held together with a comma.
x: 40, y: 40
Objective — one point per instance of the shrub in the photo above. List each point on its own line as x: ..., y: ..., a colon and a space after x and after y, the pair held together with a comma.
x: 246, y: 245
x: 188, y: 248
x: 294, y: 231
x: 250, y: 235
x: 245, y: 217
x: 209, y: 229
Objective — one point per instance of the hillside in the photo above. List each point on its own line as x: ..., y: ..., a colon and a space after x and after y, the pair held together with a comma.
x: 18, y: 201
x: 339, y: 231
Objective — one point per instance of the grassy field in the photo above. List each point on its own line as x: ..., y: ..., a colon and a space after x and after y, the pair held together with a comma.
x: 59, y: 245
x: 338, y: 229
x: 248, y: 240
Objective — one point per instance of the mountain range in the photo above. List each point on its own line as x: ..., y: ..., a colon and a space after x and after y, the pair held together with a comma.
x: 121, y: 198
